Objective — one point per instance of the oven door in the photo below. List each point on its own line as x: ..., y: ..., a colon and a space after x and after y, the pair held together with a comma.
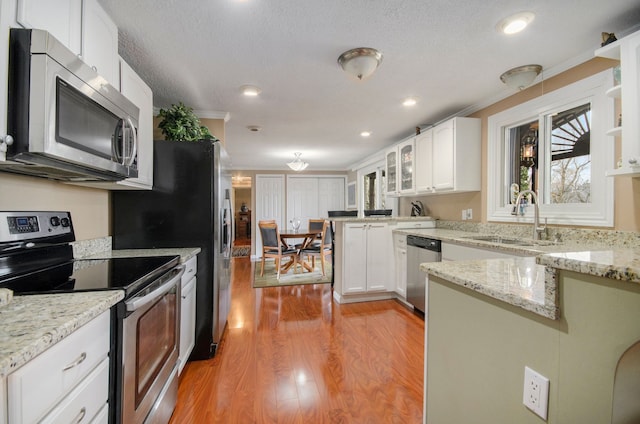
x: 150, y: 340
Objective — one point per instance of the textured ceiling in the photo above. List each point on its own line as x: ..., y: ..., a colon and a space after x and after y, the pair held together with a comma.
x: 445, y: 52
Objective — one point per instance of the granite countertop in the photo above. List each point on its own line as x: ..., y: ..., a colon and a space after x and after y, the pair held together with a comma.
x: 618, y: 264
x: 185, y: 253
x: 519, y: 281
x: 381, y: 218
x: 33, y: 323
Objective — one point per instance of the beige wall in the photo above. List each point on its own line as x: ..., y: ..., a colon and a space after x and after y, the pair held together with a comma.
x: 478, y: 348
x: 448, y: 207
x: 89, y: 207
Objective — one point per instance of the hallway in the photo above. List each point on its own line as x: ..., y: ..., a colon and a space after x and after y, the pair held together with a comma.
x: 292, y: 355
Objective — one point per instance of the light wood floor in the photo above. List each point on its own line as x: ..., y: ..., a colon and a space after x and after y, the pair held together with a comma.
x: 292, y: 355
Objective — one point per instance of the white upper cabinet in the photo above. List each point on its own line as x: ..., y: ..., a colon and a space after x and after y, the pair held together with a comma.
x: 62, y: 18
x: 424, y: 161
x: 448, y: 157
x: 99, y: 41
x: 627, y: 50
x: 400, y: 168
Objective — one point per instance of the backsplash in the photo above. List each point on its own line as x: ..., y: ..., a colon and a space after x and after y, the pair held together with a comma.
x: 614, y: 238
x: 82, y: 248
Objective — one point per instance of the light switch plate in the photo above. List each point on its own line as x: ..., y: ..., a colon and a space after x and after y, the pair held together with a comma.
x: 536, y: 392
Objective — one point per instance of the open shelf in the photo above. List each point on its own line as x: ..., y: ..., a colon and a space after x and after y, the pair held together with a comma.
x: 614, y: 131
x: 624, y: 172
x: 615, y: 92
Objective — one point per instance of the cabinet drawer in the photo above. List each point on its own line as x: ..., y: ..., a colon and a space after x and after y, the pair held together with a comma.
x: 103, y: 416
x: 190, y: 269
x: 85, y: 401
x: 400, y: 241
x: 41, y: 383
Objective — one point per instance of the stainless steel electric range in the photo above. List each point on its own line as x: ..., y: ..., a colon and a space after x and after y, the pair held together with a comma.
x: 36, y: 257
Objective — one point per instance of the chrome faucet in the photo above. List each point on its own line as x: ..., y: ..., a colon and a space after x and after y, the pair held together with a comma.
x: 537, y: 229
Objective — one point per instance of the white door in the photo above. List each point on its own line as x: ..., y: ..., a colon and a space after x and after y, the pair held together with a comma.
x: 269, y: 203
x: 331, y: 195
x: 302, y: 199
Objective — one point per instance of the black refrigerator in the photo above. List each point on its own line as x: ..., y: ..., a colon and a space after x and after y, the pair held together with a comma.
x: 189, y: 206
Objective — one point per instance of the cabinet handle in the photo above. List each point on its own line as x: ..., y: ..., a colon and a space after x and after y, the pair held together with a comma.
x: 77, y: 362
x: 78, y: 418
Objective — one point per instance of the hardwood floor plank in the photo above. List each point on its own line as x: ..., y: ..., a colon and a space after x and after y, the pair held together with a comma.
x: 293, y: 355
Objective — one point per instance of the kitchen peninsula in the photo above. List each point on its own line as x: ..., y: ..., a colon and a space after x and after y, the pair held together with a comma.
x: 570, y: 316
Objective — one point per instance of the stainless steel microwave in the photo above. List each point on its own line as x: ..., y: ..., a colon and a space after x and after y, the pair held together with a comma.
x: 68, y: 123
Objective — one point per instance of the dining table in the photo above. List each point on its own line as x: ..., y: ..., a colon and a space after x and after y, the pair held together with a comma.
x: 307, y: 236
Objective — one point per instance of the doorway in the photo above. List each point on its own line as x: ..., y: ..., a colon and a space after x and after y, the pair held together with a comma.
x: 242, y: 216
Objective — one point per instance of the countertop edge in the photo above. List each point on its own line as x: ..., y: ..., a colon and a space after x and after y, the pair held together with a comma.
x: 55, y: 316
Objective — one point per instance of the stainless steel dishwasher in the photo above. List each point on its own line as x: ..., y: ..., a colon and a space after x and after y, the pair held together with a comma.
x: 419, y: 250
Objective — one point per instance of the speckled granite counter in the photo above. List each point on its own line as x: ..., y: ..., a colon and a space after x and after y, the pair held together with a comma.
x: 519, y: 282
x: 185, y: 253
x: 618, y: 264
x: 32, y: 324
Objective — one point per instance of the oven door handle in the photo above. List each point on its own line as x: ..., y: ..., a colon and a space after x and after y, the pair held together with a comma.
x: 173, y: 277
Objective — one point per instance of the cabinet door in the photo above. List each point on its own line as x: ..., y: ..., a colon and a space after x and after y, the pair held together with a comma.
x: 407, y: 166
x: 187, y: 321
x: 401, y: 271
x: 379, y: 253
x: 424, y: 161
x: 62, y: 18
x: 355, y: 259
x: 136, y: 90
x: 392, y: 168
x: 99, y: 41
x: 443, y: 156
x: 331, y: 195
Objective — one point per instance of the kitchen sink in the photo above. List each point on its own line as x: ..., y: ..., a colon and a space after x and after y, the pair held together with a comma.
x: 509, y: 240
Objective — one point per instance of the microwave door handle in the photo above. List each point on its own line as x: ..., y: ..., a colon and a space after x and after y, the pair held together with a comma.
x: 116, y: 151
x: 134, y: 150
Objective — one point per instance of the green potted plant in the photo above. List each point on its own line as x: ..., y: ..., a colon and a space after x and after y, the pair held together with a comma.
x: 179, y: 123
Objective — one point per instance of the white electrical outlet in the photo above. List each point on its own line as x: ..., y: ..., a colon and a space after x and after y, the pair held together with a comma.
x: 536, y: 392
x: 469, y: 213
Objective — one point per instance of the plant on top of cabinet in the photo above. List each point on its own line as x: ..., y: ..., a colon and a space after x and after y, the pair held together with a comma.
x: 179, y: 123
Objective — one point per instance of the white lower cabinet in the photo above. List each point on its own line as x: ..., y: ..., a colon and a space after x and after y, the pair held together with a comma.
x: 367, y: 261
x: 400, y: 253
x: 187, y: 312
x: 66, y: 382
x: 456, y: 252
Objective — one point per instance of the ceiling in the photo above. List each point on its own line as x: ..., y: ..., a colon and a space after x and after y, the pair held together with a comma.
x: 447, y: 53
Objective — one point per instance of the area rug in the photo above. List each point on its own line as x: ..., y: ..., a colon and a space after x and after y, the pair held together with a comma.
x: 242, y: 250
x: 290, y: 278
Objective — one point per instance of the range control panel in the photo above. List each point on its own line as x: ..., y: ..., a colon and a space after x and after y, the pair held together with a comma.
x: 30, y: 226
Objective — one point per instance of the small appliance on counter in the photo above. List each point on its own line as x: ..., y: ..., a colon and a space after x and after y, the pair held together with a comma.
x: 378, y: 212
x: 37, y: 258
x: 417, y: 208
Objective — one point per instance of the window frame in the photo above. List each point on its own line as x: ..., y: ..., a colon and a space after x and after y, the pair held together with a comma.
x: 599, y: 212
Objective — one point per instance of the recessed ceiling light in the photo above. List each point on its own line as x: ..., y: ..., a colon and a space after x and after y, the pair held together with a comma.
x: 250, y: 90
x: 515, y: 23
x: 365, y: 133
x: 410, y: 101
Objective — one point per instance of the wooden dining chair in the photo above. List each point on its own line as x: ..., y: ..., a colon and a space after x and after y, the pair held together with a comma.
x: 272, y: 247
x: 316, y: 224
x: 323, y: 249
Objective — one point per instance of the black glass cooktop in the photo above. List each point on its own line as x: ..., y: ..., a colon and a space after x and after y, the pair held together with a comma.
x: 129, y: 274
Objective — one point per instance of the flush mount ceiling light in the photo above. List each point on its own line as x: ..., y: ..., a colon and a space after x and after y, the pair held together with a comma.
x: 521, y: 77
x: 250, y: 90
x: 360, y: 62
x: 409, y: 101
x: 298, y: 164
x: 515, y: 23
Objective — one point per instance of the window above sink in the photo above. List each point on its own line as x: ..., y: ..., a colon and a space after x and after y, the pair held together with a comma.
x: 556, y: 145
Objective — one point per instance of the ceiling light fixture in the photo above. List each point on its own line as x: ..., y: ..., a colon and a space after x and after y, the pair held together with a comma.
x: 521, y: 77
x: 365, y: 133
x: 360, y: 62
x: 254, y: 128
x: 515, y: 23
x: 410, y: 101
x: 250, y: 90
x: 298, y: 164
